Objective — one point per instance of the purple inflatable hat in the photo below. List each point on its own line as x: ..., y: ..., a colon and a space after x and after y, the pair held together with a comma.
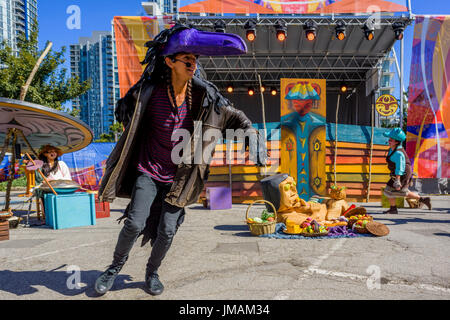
x: 204, y: 43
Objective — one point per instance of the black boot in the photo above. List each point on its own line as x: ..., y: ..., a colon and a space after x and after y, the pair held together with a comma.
x: 426, y: 201
x: 392, y: 210
x: 153, y: 284
x: 106, y: 279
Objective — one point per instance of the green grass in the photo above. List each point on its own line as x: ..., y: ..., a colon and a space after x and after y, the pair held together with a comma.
x: 17, y: 183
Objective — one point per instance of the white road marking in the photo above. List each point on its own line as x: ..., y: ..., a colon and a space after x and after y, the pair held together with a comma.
x: 314, y: 268
x: 285, y: 294
x: 333, y: 249
x: 58, y: 251
x: 428, y: 287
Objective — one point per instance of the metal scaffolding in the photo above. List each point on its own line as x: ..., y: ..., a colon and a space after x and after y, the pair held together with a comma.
x: 351, y: 60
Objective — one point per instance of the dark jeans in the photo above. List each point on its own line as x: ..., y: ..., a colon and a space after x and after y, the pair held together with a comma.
x: 144, y: 193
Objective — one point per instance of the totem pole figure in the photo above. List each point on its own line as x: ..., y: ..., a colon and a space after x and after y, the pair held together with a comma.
x: 303, y: 134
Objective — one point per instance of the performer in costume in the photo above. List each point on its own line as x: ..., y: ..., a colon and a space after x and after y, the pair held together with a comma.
x: 170, y: 95
x: 400, y: 171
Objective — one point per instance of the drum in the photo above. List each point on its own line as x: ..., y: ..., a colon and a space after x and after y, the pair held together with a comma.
x: 61, y: 186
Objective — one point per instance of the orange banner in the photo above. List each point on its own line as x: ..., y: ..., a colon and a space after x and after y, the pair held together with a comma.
x: 131, y: 35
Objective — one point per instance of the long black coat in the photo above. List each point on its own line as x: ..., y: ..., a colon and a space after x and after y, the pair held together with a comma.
x: 212, y: 110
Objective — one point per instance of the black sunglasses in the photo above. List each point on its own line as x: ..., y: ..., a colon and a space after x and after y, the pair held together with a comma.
x: 188, y: 64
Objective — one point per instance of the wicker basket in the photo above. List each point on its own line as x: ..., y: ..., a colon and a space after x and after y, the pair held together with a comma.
x: 361, y: 229
x: 413, y: 203
x: 258, y: 229
x: 355, y: 212
x: 350, y: 223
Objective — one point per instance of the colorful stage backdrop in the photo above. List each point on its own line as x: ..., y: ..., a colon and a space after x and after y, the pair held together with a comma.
x: 87, y: 166
x: 292, y: 6
x: 428, y: 144
x: 131, y: 35
x: 303, y: 134
x: 4, y: 169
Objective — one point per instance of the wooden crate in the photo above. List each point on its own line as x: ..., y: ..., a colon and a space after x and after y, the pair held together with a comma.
x: 4, y: 230
x: 102, y: 209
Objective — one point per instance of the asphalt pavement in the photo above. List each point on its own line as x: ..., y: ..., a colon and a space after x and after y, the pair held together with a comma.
x: 214, y: 256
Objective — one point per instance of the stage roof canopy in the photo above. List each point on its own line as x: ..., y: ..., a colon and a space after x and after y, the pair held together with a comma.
x: 354, y: 59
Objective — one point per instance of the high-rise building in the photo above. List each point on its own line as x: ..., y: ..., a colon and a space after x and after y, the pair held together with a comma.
x: 16, y: 16
x: 386, y: 87
x: 387, y: 76
x: 95, y: 58
x: 158, y: 7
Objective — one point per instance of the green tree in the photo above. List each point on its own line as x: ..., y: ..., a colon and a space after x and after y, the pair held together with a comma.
x: 50, y: 86
x: 115, y: 131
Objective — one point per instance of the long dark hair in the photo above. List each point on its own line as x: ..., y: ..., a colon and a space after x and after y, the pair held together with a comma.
x: 46, y: 169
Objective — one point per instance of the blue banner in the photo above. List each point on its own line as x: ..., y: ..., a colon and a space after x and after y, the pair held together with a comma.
x: 87, y: 166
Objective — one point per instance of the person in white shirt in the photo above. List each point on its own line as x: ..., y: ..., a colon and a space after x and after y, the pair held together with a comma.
x: 53, y: 169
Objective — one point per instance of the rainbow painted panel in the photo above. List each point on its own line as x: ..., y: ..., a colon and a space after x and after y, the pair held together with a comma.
x: 428, y: 143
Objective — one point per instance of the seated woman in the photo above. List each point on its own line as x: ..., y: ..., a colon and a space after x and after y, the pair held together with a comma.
x: 52, y: 169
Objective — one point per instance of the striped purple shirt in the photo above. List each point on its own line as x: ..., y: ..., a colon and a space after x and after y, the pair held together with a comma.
x: 160, y: 122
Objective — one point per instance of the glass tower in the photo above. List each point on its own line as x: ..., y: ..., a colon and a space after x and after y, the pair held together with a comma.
x: 94, y: 58
x: 16, y: 17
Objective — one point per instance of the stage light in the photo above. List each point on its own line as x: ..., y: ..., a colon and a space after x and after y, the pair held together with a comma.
x: 251, y: 36
x: 230, y: 89
x: 369, y: 31
x: 398, y: 27
x: 220, y: 26
x: 281, y: 36
x: 273, y: 91
x: 340, y: 30
x: 310, y: 29
x: 263, y: 89
x: 251, y: 91
x: 281, y: 30
x: 250, y: 26
x: 310, y: 35
x: 344, y: 88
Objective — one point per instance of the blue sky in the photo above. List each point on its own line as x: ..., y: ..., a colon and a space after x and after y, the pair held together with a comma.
x: 96, y: 15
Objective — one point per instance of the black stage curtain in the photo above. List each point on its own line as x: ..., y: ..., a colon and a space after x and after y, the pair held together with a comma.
x: 355, y: 107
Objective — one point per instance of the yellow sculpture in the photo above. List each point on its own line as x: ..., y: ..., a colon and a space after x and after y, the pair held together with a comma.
x: 337, y: 205
x: 297, y: 210
x: 294, y: 208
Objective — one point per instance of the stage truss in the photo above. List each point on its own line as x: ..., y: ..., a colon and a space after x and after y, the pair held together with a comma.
x: 353, y: 60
